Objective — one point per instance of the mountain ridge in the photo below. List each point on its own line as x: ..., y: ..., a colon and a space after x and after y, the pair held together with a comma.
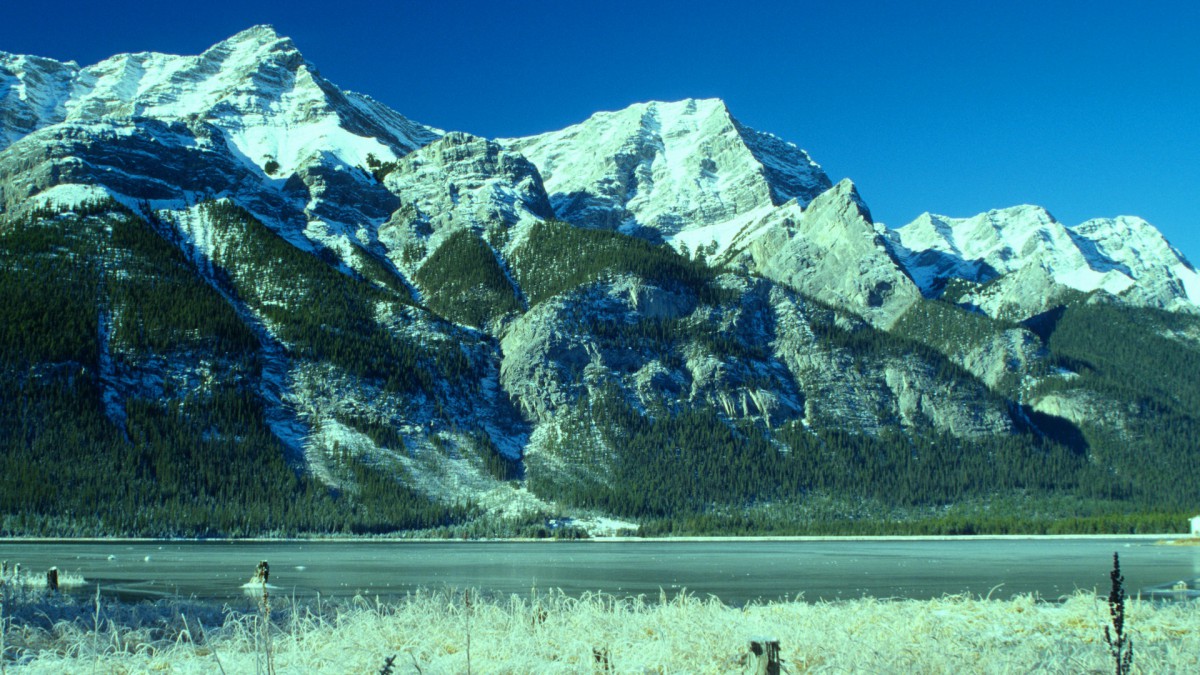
x: 1122, y: 255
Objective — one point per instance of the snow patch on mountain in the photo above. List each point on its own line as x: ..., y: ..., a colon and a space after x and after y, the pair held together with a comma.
x: 33, y: 93
x: 70, y: 195
x: 718, y: 238
x: 274, y: 107
x: 1139, y: 247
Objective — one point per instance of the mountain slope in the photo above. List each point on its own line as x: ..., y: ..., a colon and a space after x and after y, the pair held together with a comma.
x: 255, y: 86
x: 33, y: 93
x: 276, y: 136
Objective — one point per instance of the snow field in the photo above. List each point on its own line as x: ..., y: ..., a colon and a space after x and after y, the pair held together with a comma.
x: 552, y: 633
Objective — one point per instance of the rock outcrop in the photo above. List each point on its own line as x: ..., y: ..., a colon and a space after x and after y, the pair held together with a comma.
x: 831, y: 251
x: 460, y: 182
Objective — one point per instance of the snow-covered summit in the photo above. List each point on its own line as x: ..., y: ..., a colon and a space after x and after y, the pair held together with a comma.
x: 273, y: 106
x: 669, y: 167
x: 1124, y: 256
x: 250, y: 119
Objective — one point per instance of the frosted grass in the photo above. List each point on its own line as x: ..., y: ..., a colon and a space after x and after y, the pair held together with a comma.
x: 554, y: 633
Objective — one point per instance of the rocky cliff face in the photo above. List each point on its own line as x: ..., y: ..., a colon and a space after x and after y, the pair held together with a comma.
x: 35, y: 90
x: 460, y: 182
x: 774, y: 367
x: 831, y: 251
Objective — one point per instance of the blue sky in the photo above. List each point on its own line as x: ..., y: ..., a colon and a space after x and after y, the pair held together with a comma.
x: 1087, y: 108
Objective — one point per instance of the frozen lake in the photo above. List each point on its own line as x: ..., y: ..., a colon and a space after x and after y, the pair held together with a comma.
x: 737, y: 571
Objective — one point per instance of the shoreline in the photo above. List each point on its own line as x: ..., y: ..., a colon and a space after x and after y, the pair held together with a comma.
x: 597, y: 540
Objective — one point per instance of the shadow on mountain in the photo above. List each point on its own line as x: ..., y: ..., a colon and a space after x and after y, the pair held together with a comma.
x: 1057, y: 429
x: 1044, y: 324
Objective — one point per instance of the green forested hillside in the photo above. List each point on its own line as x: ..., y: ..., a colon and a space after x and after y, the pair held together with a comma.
x: 1138, y: 367
x: 675, y: 466
x: 320, y: 313
x: 195, y: 462
x: 464, y: 282
x: 557, y: 257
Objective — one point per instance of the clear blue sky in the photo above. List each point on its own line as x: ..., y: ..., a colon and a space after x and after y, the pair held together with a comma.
x: 1087, y: 108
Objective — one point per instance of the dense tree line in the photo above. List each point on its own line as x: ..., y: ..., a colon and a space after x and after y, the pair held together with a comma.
x: 1142, y: 366
x: 158, y: 302
x: 464, y: 282
x: 198, y: 467
x: 50, y: 284
x: 556, y: 257
x: 1051, y: 522
x: 694, y: 460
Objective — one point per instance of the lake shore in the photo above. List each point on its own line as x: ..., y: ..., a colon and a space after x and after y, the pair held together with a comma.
x: 624, y: 539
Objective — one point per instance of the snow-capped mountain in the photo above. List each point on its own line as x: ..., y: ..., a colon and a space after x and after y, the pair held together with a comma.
x: 668, y: 167
x: 273, y: 106
x: 254, y: 119
x: 34, y: 91
x: 1124, y: 256
x: 226, y: 253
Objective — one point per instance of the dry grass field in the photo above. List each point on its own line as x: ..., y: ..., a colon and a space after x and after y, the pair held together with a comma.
x: 459, y: 632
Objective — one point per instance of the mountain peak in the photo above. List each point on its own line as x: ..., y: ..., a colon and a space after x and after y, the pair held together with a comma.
x: 689, y: 106
x: 844, y: 194
x: 670, y: 166
x: 253, y: 46
x: 846, y: 188
x: 1027, y: 213
x: 260, y: 35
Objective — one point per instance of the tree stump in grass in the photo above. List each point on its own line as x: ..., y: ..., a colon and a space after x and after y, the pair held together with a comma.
x: 766, y: 655
x: 603, y: 660
x: 52, y: 579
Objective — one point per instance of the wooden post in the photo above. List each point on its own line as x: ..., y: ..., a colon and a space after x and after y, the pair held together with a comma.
x: 52, y: 579
x: 262, y: 573
x: 766, y: 655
